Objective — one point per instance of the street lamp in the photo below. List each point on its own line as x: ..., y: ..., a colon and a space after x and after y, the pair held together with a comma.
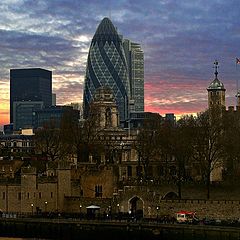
x: 45, y: 205
x: 32, y: 208
x: 80, y: 208
x: 80, y: 211
x: 118, y: 207
x: 122, y: 152
x: 157, y: 211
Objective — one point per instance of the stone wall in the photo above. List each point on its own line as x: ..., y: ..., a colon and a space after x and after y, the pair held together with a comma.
x: 217, y: 209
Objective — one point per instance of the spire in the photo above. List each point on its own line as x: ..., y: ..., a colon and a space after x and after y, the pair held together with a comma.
x: 216, y: 68
x: 216, y: 84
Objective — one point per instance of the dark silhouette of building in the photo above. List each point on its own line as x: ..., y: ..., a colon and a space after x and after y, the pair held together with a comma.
x: 53, y: 115
x: 33, y: 84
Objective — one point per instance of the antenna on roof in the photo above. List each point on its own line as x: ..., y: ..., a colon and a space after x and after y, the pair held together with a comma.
x: 110, y: 9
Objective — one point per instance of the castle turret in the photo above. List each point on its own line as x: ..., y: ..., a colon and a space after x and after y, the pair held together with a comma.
x: 216, y: 91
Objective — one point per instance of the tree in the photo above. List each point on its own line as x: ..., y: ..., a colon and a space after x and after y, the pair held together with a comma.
x: 49, y: 141
x: 231, y: 145
x: 147, y: 145
x: 208, y: 142
x: 92, y: 144
x: 180, y: 144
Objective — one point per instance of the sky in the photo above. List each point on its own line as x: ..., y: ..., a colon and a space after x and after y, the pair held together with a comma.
x: 180, y: 39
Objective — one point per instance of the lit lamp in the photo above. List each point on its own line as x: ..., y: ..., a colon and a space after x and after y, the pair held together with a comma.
x: 45, y: 205
x: 80, y: 211
x: 80, y: 208
x: 118, y: 207
x: 157, y: 211
x: 32, y: 208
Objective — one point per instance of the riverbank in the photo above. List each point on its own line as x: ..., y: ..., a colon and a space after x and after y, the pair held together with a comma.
x: 72, y: 229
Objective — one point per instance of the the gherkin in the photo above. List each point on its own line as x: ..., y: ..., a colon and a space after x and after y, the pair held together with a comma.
x: 106, y: 66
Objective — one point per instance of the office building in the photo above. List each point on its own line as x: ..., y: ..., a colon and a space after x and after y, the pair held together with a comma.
x: 23, y: 113
x: 135, y: 61
x: 107, y: 67
x: 54, y: 99
x: 33, y: 84
x: 53, y: 116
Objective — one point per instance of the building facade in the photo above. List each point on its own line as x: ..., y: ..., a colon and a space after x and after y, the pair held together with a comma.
x: 53, y: 115
x: 135, y: 61
x: 23, y: 113
x: 107, y: 66
x: 33, y: 84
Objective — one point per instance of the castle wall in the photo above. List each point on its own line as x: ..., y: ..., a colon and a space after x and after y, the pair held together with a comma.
x: 104, y: 178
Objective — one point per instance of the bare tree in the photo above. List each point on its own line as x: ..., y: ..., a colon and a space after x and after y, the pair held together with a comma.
x: 147, y: 145
x: 91, y: 134
x: 49, y: 142
x: 231, y: 146
x: 208, y: 143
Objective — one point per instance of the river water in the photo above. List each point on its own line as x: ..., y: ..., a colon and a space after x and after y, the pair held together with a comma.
x: 10, y: 238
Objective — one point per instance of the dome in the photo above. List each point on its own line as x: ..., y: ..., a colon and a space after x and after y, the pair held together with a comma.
x: 216, y: 85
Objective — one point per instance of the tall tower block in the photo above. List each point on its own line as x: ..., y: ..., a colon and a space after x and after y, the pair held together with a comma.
x: 30, y: 84
x: 107, y: 67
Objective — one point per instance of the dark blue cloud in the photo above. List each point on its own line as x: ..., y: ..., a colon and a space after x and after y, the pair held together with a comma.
x: 180, y: 39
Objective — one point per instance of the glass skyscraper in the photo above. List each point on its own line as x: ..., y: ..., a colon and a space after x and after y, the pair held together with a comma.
x: 107, y: 66
x: 32, y: 84
x: 135, y: 61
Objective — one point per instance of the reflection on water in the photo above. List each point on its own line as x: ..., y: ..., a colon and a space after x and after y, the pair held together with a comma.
x: 10, y: 238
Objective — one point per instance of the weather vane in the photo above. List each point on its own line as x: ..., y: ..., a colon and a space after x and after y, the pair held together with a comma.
x: 216, y: 67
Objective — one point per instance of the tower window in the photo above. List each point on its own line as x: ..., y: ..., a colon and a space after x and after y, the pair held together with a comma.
x: 98, y: 191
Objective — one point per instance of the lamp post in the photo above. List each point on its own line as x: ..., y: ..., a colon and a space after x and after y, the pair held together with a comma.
x: 80, y: 211
x: 80, y: 208
x: 45, y: 205
x: 118, y: 207
x: 122, y: 152
x: 157, y: 212
x: 32, y: 208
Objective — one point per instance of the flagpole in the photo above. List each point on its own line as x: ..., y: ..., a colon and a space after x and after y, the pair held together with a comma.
x: 238, y: 92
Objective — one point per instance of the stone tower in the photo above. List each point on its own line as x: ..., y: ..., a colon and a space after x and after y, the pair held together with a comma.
x: 216, y: 91
x: 28, y: 188
x: 64, y: 183
x: 108, y: 111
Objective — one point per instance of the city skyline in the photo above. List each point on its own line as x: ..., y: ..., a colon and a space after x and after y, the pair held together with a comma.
x: 180, y: 43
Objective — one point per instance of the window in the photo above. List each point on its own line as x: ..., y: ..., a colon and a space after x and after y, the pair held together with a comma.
x: 129, y: 171
x: 19, y: 196
x: 139, y: 171
x: 98, y: 191
x: 4, y: 195
x: 51, y: 194
x: 40, y: 195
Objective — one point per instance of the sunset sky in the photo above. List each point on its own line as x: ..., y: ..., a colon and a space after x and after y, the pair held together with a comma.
x: 180, y: 40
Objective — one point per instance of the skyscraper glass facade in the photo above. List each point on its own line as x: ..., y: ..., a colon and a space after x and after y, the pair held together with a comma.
x: 107, y: 66
x: 135, y: 60
x: 32, y: 84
